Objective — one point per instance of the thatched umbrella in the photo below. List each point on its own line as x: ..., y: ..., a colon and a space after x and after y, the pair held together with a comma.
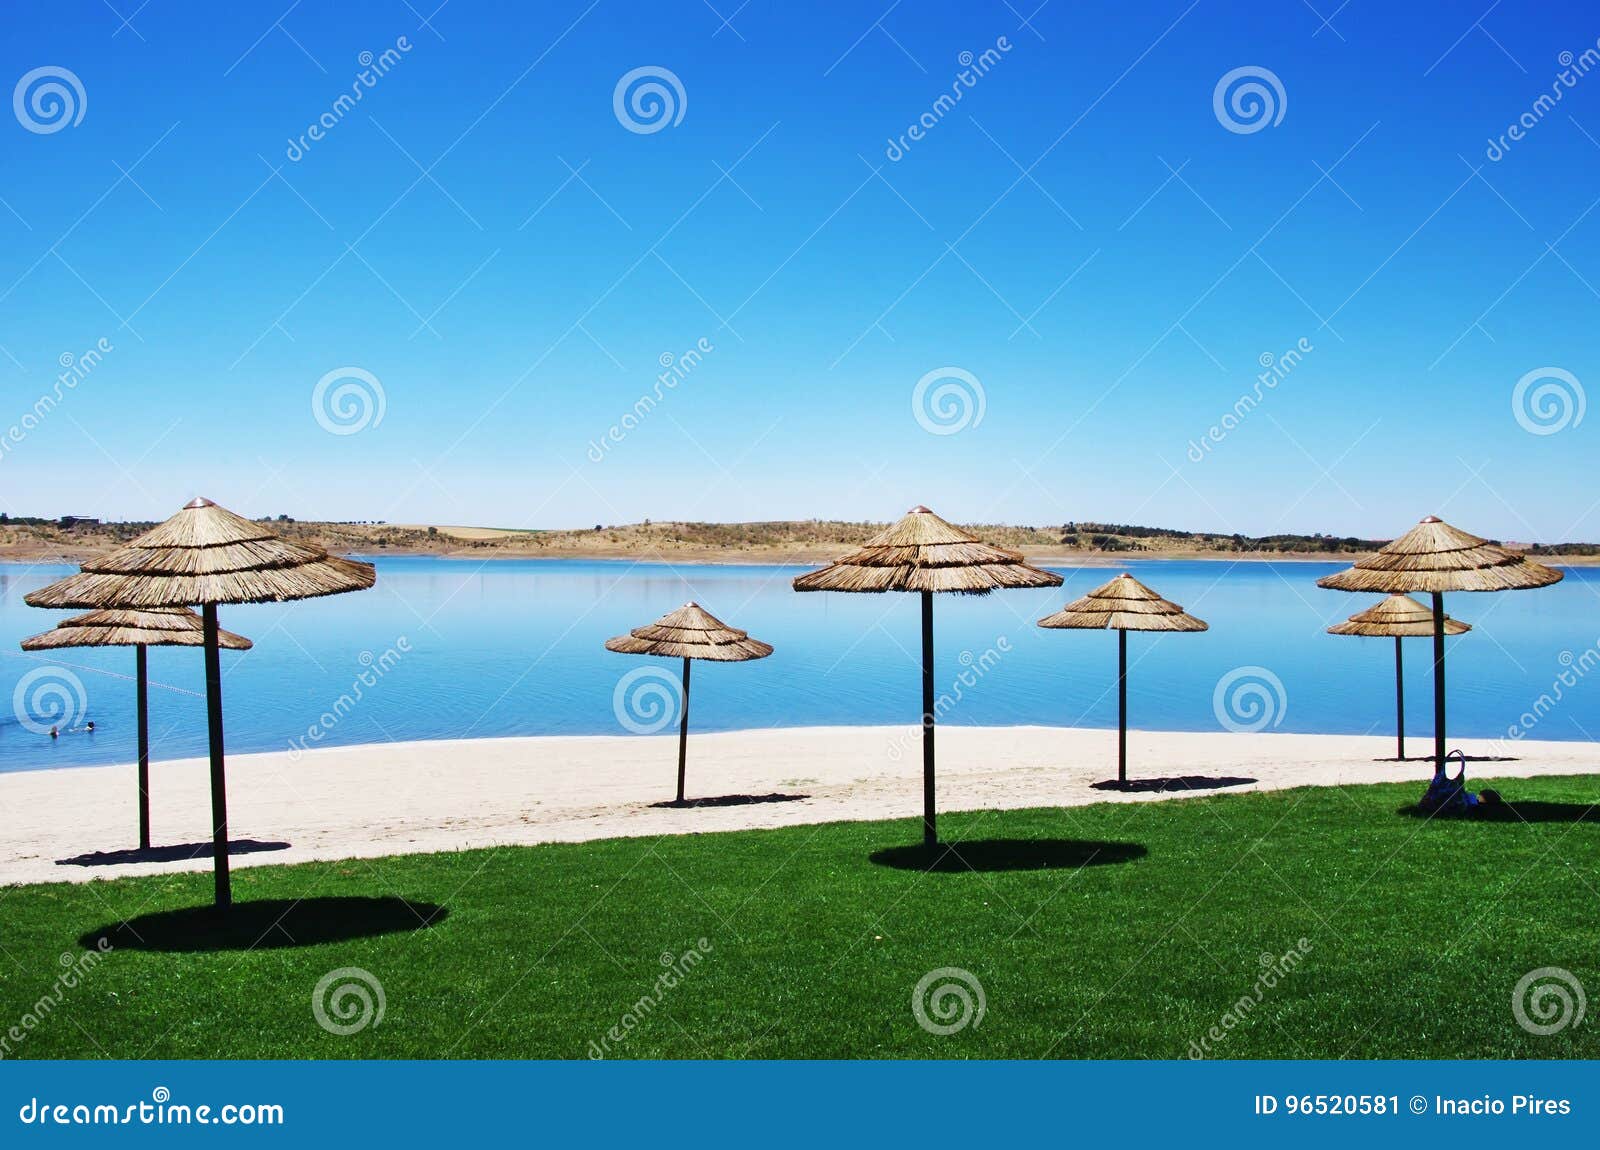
x: 162, y: 627
x: 1436, y: 557
x: 1404, y: 618
x: 1123, y: 605
x: 690, y: 632
x: 206, y: 554
x: 923, y: 553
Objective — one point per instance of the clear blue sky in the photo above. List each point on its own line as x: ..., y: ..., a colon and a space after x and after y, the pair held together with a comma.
x: 1036, y: 237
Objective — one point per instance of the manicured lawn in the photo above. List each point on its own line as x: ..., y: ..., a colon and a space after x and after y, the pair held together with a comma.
x: 1416, y: 933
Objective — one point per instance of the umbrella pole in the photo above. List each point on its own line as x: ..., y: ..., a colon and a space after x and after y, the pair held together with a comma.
x: 1399, y: 703
x: 930, y: 833
x: 142, y: 702
x: 683, y: 730
x: 1438, y: 683
x: 219, y: 782
x: 1122, y: 706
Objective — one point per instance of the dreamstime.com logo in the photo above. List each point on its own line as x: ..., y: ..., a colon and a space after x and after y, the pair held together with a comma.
x: 948, y: 1000
x: 1249, y: 699
x: 348, y: 1000
x: 1548, y: 1000
x: 648, y: 99
x: 646, y: 700
x: 948, y: 400
x: 48, y: 99
x: 1248, y: 99
x: 49, y: 698
x: 348, y: 400
x: 1548, y: 400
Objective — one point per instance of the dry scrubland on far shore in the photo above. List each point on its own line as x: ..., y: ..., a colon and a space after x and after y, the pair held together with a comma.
x: 791, y: 541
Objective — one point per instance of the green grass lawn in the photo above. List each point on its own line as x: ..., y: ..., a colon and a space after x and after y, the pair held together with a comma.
x: 1416, y: 933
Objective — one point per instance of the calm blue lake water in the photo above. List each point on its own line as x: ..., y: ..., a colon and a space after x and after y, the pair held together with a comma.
x: 513, y: 647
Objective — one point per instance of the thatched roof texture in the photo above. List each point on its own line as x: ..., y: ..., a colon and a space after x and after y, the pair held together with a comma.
x: 1434, y: 556
x: 691, y: 632
x: 924, y: 553
x: 1124, y: 604
x: 1398, y: 616
x: 160, y: 627
x: 205, y: 554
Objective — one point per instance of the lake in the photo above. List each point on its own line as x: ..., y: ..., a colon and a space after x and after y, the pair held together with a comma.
x: 456, y: 648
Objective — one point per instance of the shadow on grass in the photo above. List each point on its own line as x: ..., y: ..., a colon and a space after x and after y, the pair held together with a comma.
x: 1176, y: 783
x: 1007, y: 854
x: 1528, y: 812
x: 1458, y: 758
x: 268, y: 924
x: 178, y: 852
x: 729, y: 801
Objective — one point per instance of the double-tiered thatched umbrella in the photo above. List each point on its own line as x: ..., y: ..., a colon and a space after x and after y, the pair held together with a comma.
x: 690, y: 632
x: 1123, y: 605
x: 163, y: 627
x: 206, y: 554
x: 1403, y: 617
x: 923, y: 553
x: 1436, y: 557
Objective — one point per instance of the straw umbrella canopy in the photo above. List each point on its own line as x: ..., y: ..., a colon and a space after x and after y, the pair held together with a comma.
x: 690, y: 632
x: 1123, y: 605
x: 925, y: 554
x: 1436, y: 557
x: 1402, y: 617
x: 207, y: 555
x: 162, y: 627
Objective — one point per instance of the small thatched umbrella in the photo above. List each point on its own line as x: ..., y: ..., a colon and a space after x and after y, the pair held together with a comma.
x: 1123, y: 605
x: 1436, y: 557
x: 1404, y: 618
x: 923, y: 553
x: 162, y: 627
x: 690, y: 632
x: 206, y: 554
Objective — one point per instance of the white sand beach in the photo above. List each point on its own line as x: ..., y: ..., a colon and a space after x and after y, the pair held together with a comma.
x: 405, y: 798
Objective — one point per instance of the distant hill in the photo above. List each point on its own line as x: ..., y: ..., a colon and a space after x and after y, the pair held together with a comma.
x: 770, y: 541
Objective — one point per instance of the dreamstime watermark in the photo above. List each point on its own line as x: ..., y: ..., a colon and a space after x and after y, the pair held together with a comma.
x: 1547, y: 400
x: 373, y: 69
x: 646, y: 700
x: 1548, y: 1000
x: 948, y: 1000
x: 648, y: 99
x: 674, y: 370
x: 374, y: 668
x: 348, y: 1000
x: 677, y: 968
x: 49, y: 699
x: 974, y: 668
x: 74, y: 968
x: 1275, y: 369
x: 973, y: 69
x: 48, y: 99
x: 948, y: 400
x: 1249, y: 699
x: 1573, y: 69
x: 1248, y: 99
x: 75, y: 369
x: 1274, y: 968
x: 348, y: 400
x: 1575, y: 668
x: 160, y: 1110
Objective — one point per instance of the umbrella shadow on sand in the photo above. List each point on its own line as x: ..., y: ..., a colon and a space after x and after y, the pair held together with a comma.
x: 1007, y: 854
x: 1173, y: 783
x: 1458, y: 758
x: 177, y: 852
x: 266, y: 924
x: 1510, y: 812
x: 729, y: 801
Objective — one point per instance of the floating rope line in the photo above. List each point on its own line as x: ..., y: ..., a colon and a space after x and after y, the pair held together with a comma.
x: 101, y: 671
